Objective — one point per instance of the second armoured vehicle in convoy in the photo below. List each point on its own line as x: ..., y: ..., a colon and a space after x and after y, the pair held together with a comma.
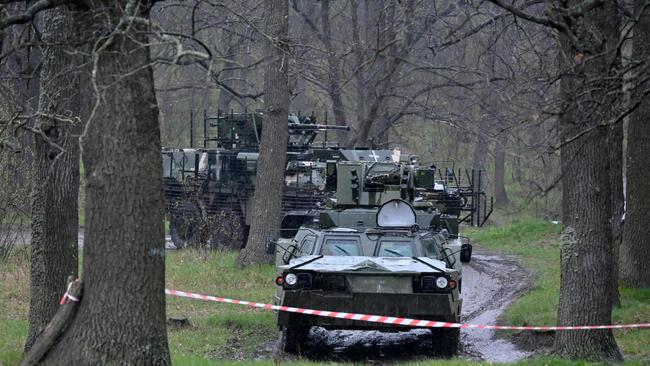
x: 387, y: 244
x: 208, y: 189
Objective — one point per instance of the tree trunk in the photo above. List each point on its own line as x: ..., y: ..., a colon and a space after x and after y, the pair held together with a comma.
x: 333, y: 86
x: 267, y: 204
x: 500, y: 194
x: 19, y: 70
x: 55, y: 188
x: 518, y: 150
x: 586, y: 244
x: 359, y: 76
x: 635, y: 249
x: 227, y: 74
x: 121, y: 318
x: 377, y: 87
x: 480, y: 152
x: 615, y: 150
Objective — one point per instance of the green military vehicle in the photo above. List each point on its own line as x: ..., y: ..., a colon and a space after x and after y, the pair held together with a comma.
x: 209, y: 188
x: 387, y: 244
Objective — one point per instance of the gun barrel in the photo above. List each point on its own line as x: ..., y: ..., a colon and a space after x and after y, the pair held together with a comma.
x: 316, y: 127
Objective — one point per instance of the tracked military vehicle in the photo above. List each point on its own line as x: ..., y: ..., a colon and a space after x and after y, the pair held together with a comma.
x: 208, y: 189
x: 386, y: 244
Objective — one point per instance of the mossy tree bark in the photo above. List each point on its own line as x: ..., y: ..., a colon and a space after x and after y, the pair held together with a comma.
x: 121, y: 317
x: 56, y: 173
x: 589, y: 87
x: 635, y: 249
x: 267, y: 205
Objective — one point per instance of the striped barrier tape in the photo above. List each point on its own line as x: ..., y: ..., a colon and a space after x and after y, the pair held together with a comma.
x: 388, y: 319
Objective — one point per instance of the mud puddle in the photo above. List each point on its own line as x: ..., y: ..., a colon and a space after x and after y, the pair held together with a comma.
x: 490, y: 284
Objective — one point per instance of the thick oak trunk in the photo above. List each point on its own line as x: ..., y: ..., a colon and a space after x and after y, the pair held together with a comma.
x: 586, y: 243
x: 635, y: 249
x: 267, y: 205
x: 615, y: 149
x: 121, y: 318
x: 56, y: 174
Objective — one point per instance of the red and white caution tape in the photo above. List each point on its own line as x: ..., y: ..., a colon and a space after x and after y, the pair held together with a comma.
x: 388, y: 319
x: 67, y: 296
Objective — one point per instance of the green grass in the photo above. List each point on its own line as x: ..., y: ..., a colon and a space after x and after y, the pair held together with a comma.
x: 14, y: 295
x: 216, y: 327
x: 535, y: 243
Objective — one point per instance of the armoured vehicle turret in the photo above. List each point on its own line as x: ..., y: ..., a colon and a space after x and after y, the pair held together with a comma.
x: 378, y: 175
x: 387, y: 243
x: 208, y: 189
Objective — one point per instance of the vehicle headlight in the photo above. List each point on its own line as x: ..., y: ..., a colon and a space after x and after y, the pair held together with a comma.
x: 291, y: 279
x: 442, y: 282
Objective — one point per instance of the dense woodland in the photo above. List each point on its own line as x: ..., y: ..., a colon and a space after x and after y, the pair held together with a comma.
x: 550, y: 98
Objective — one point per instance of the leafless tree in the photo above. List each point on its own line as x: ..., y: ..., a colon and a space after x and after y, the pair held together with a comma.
x: 267, y: 205
x: 56, y: 171
x: 123, y: 264
x: 635, y: 251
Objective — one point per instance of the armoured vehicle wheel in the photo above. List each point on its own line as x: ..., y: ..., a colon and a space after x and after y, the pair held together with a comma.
x: 445, y: 341
x: 181, y: 231
x: 226, y: 230
x: 294, y: 339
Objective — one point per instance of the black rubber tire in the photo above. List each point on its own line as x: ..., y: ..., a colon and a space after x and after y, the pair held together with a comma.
x: 445, y: 341
x: 181, y: 231
x: 294, y: 339
x: 226, y: 230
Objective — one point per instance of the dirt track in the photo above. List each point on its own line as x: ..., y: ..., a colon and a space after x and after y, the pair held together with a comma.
x: 491, y: 283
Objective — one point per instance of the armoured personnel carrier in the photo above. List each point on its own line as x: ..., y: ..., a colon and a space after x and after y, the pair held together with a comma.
x: 386, y: 244
x: 208, y: 189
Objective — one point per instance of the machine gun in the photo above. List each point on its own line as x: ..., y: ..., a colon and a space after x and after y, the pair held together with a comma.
x: 242, y: 131
x: 302, y: 135
x: 370, y: 184
x: 296, y: 127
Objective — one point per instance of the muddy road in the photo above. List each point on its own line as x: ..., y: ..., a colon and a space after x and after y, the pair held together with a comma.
x: 490, y: 283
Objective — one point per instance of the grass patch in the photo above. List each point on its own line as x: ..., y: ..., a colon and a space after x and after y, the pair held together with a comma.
x: 14, y: 302
x: 535, y: 243
x: 218, y: 330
